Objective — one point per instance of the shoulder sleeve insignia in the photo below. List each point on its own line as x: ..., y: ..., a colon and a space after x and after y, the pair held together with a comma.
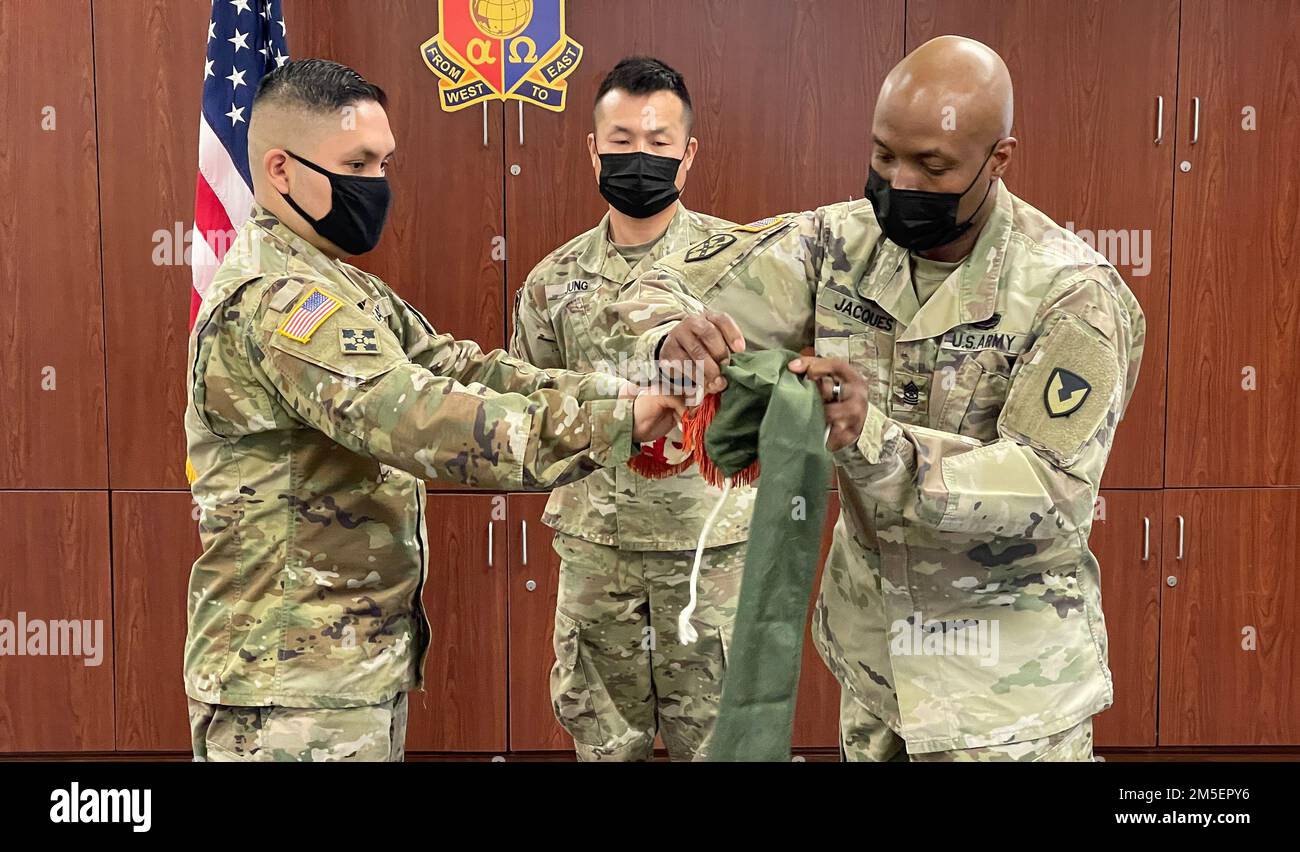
x: 1065, y: 392
x: 314, y: 308
x: 761, y: 225
x: 358, y: 341
x: 709, y: 247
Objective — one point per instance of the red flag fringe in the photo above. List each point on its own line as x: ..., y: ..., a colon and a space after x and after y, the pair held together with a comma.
x: 694, y: 424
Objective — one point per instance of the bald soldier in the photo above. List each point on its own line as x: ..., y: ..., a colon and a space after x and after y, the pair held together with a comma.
x: 626, y: 543
x: 975, y: 359
x: 319, y: 402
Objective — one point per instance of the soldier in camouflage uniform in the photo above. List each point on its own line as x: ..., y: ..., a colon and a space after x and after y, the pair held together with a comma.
x: 973, y: 387
x: 626, y: 543
x: 318, y: 403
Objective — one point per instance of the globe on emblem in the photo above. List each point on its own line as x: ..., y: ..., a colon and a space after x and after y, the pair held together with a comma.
x: 502, y: 18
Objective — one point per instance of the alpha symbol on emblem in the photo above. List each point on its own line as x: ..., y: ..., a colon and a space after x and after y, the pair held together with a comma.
x: 1065, y: 392
x: 359, y: 341
x: 709, y: 247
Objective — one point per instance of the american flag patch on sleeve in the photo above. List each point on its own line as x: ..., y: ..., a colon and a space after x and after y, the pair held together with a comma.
x: 312, y: 310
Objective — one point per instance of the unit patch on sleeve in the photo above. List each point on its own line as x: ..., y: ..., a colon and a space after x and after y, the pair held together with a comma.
x: 709, y: 247
x: 359, y: 341
x: 1065, y: 393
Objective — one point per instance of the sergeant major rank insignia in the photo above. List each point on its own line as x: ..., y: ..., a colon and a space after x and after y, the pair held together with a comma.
x: 709, y: 247
x: 359, y: 341
x: 1065, y: 392
x: 502, y: 50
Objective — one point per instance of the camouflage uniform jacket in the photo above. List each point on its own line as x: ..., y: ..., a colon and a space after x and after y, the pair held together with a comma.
x: 318, y: 403
x: 968, y: 497
x: 558, y: 323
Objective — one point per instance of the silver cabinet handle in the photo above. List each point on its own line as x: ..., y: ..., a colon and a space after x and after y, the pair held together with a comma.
x: 521, y: 123
x: 1160, y: 119
x: 485, y: 124
x: 1146, y: 539
x: 523, y: 549
x: 1196, y: 120
x: 1180, y: 537
x: 491, y: 528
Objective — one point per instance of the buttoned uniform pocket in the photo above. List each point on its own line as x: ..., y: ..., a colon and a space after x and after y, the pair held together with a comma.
x: 861, y: 352
x: 974, y: 390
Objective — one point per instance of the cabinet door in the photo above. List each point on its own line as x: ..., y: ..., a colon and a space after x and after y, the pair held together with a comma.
x: 1091, y: 81
x: 783, y: 94
x: 441, y: 247
x: 1228, y: 646
x: 52, y: 323
x: 155, y: 543
x: 534, y: 582
x: 817, y: 710
x: 149, y: 153
x: 56, y: 603
x: 463, y: 707
x: 1235, y: 306
x: 1126, y: 541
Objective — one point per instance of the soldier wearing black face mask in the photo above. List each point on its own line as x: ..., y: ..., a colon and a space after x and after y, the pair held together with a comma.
x: 317, y: 392
x: 625, y: 541
x: 975, y: 359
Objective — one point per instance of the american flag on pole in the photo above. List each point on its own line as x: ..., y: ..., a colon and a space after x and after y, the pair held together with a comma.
x: 246, y: 40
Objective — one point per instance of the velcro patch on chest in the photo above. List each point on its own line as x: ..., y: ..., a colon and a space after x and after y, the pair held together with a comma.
x: 309, y: 314
x: 577, y: 285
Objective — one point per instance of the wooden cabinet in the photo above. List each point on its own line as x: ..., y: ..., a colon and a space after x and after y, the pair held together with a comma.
x: 57, y: 695
x: 463, y: 707
x: 1235, y: 306
x: 1095, y: 91
x: 534, y: 584
x: 1126, y: 539
x: 149, y: 149
x: 1229, y: 648
x: 52, y: 323
x: 155, y: 543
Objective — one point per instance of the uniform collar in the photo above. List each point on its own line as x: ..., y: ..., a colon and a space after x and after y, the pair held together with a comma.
x: 969, y: 295
x: 294, y: 246
x: 600, y: 257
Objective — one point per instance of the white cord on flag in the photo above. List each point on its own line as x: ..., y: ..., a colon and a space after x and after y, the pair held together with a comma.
x: 685, y: 630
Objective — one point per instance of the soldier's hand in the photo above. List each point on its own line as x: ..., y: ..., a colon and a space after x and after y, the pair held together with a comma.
x: 706, y: 342
x: 654, y: 416
x: 845, y: 414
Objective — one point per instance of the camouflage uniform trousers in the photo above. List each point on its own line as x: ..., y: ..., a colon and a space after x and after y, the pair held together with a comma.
x: 620, y: 674
x: 865, y: 737
x: 374, y: 733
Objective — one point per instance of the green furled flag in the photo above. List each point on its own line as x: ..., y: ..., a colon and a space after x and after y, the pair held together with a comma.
x: 772, y: 415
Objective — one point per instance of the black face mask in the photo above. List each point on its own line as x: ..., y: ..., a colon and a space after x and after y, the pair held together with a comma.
x: 919, y: 220
x: 639, y: 184
x: 358, y: 209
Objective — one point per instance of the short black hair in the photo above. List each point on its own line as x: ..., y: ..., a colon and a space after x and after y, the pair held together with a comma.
x: 645, y: 75
x: 318, y: 85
